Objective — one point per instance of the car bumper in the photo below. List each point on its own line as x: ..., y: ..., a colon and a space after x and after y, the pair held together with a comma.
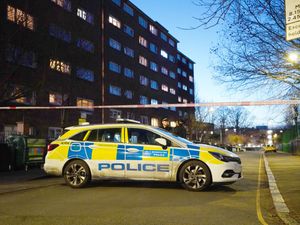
x: 54, y: 167
x: 226, y: 173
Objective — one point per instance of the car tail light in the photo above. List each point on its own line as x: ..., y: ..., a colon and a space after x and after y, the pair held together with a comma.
x: 52, y: 146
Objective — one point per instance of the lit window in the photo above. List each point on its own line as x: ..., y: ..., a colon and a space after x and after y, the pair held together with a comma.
x: 60, y: 66
x: 55, y: 98
x: 59, y: 33
x: 185, y: 101
x: 128, y: 94
x: 128, y: 73
x: 154, y: 84
x: 163, y: 36
x: 115, y: 44
x: 191, y: 91
x: 153, y: 66
x: 117, y: 2
x: 154, y: 102
x: 171, y: 58
x: 143, y: 41
x: 83, y: 14
x: 128, y: 9
x: 144, y: 80
x: 153, y: 48
x: 184, y: 74
x: 179, y: 99
x: 114, y: 90
x: 143, y: 100
x: 129, y: 52
x: 114, y: 67
x: 112, y: 20
x: 20, y: 56
x: 173, y: 108
x: 115, y: 114
x: 178, y: 70
x: 143, y: 22
x: 128, y: 30
x: 164, y: 70
x: 191, y: 66
x: 184, y: 87
x: 65, y: 4
x: 171, y: 42
x: 172, y: 91
x: 154, y: 122
x: 85, y: 103
x: 164, y: 54
x: 85, y: 74
x: 179, y: 85
x: 153, y: 30
x: 191, y: 79
x: 164, y: 88
x: 143, y: 61
x: 22, y: 95
x: 85, y: 45
x: 20, y: 17
x: 172, y: 75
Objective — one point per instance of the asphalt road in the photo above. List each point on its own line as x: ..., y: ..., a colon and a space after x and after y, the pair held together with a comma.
x: 123, y: 202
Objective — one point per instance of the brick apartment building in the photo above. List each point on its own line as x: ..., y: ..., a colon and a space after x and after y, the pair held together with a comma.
x: 86, y: 53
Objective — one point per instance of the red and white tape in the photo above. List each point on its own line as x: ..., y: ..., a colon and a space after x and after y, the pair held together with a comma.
x: 178, y: 105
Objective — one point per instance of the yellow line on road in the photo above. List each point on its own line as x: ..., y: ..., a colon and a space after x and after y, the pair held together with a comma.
x: 258, y: 209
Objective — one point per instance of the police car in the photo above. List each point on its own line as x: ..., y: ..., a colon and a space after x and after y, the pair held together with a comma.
x: 139, y: 152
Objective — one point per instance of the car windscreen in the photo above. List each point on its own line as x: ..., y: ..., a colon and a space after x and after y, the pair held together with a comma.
x: 183, y: 140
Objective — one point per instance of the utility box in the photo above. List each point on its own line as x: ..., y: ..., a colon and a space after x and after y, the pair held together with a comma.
x: 36, y: 151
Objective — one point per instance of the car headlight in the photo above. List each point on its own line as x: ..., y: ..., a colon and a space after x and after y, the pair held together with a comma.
x: 225, y: 158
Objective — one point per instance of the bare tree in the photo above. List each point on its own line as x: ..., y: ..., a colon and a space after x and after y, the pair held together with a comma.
x: 239, y: 117
x: 253, y: 51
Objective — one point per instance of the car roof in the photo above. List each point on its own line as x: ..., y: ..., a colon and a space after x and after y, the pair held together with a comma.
x: 95, y: 126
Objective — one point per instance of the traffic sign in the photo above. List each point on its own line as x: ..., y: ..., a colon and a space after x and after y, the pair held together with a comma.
x: 292, y: 19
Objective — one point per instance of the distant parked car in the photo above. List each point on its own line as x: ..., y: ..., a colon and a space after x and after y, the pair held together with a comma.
x: 269, y: 148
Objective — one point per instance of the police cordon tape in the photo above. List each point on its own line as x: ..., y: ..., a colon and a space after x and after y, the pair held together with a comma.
x: 177, y: 105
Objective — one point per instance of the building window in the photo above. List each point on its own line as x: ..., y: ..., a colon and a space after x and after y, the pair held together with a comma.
x: 143, y: 61
x: 165, y: 103
x: 143, y: 100
x: 191, y: 66
x: 172, y: 91
x: 55, y: 98
x: 85, y: 74
x: 163, y: 36
x: 85, y: 103
x: 22, y: 95
x: 178, y: 70
x: 171, y: 42
x: 20, y: 56
x: 60, y: 66
x: 85, y: 45
x: 128, y: 30
x: 184, y: 74
x: 128, y: 94
x: 191, y: 79
x: 154, y: 122
x: 144, y: 80
x: 115, y: 44
x: 179, y: 99
x: 154, y: 84
x: 154, y: 101
x: 184, y: 87
x: 115, y: 114
x: 87, y: 16
x: 54, y: 132
x: 164, y: 70
x: 59, y: 33
x: 153, y: 66
x: 65, y: 4
x: 128, y: 72
x: 114, y: 21
x: 117, y: 2
x: 129, y: 52
x: 178, y: 57
x: 128, y: 9
x: 183, y: 60
x: 143, y: 22
x: 153, y: 29
x: 143, y: 41
x: 153, y: 48
x: 180, y: 113
x: 163, y: 53
x: 172, y: 58
x: 172, y: 75
x: 164, y: 88
x: 191, y: 91
x: 173, y: 108
x: 185, y: 101
x: 114, y: 67
x: 179, y: 85
x: 114, y: 90
x: 20, y: 17
x: 144, y: 120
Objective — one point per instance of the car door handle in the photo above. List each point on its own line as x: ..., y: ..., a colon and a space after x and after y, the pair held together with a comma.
x: 133, y: 150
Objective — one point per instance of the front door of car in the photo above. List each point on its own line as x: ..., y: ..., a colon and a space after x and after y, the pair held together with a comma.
x: 145, y: 157
x: 107, y: 144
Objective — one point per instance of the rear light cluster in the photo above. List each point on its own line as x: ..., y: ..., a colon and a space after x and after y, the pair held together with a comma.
x: 52, y: 146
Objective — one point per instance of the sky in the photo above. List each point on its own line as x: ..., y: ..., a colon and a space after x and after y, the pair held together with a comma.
x: 196, y: 44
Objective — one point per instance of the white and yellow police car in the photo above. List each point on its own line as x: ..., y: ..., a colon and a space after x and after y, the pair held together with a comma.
x: 140, y: 152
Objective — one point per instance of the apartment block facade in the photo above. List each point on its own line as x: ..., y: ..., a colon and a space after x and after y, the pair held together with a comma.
x: 87, y: 53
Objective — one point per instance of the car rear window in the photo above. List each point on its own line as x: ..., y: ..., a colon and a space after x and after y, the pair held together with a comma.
x: 79, y: 137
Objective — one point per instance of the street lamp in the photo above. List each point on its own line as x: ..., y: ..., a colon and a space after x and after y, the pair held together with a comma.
x: 293, y: 57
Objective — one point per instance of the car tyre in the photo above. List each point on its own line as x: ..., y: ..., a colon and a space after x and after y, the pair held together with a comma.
x: 195, y: 176
x: 77, y: 174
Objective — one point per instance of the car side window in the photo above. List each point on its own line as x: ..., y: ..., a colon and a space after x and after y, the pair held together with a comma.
x: 105, y: 135
x: 79, y: 137
x: 140, y: 136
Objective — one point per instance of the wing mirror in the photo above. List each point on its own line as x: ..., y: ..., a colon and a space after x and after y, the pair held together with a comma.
x: 162, y: 142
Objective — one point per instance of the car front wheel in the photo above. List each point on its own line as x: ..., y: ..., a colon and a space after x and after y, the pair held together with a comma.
x: 77, y: 174
x: 195, y: 176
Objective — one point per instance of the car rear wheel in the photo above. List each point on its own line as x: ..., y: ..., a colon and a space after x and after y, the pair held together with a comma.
x: 195, y: 176
x: 77, y: 174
